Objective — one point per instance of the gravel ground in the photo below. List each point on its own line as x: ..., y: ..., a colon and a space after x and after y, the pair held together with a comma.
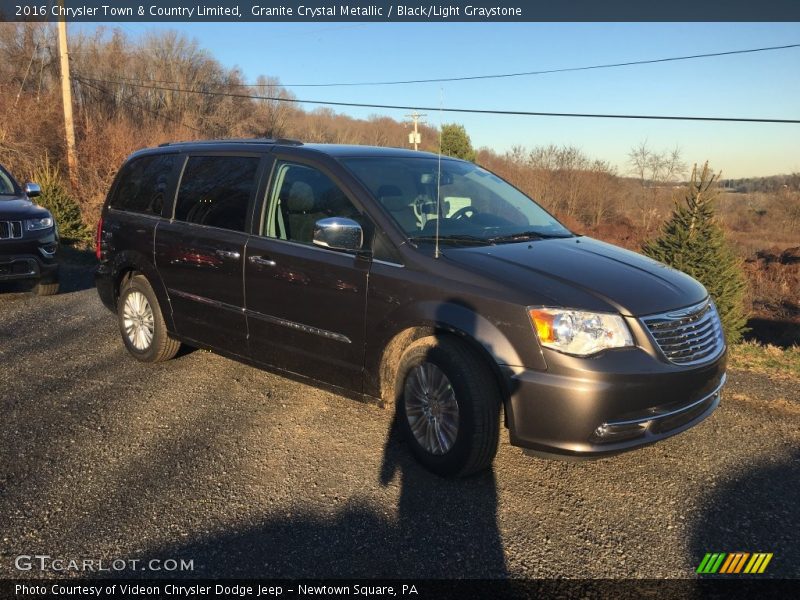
x: 250, y: 474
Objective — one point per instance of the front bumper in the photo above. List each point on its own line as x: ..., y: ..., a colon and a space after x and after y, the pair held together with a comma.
x: 588, y: 408
x: 34, y: 256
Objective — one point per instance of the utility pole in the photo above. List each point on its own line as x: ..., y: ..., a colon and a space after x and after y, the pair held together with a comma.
x: 415, y: 138
x: 66, y: 96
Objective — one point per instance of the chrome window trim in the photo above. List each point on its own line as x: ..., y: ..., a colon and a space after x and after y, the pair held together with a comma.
x: 388, y: 264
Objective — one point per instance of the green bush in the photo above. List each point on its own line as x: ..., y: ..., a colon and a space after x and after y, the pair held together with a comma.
x: 692, y: 242
x: 56, y: 198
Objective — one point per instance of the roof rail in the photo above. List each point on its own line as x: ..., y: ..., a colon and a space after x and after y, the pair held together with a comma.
x: 284, y: 141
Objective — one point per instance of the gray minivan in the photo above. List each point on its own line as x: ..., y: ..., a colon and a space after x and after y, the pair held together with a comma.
x: 425, y: 282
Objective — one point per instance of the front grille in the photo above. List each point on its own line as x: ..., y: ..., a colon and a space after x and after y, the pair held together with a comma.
x: 690, y: 335
x: 10, y: 230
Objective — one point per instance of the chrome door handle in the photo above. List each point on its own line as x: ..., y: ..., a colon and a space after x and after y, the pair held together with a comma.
x: 260, y: 260
x: 229, y: 254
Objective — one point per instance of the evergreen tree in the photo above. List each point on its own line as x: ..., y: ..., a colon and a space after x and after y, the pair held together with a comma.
x: 456, y: 142
x: 61, y: 204
x: 692, y: 242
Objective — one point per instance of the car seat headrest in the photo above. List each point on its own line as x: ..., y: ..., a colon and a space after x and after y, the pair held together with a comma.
x: 301, y: 197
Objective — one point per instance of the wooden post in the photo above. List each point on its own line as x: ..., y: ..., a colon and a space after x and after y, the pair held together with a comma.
x: 66, y: 96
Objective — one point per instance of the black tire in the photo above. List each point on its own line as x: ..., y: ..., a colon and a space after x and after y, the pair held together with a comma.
x: 48, y: 288
x: 478, y: 398
x: 159, y: 347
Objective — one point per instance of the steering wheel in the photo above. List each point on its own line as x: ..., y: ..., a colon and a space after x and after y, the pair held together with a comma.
x: 461, y: 213
x: 421, y: 205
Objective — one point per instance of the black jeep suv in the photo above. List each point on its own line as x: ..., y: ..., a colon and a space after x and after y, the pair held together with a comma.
x: 426, y: 282
x: 28, y: 237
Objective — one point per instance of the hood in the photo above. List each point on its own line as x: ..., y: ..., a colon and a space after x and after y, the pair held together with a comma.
x: 583, y: 273
x: 20, y: 208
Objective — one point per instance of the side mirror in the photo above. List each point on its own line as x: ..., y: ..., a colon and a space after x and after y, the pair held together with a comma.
x: 338, y: 233
x: 32, y: 190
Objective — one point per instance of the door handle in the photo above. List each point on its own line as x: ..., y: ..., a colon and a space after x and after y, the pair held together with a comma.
x: 228, y: 254
x: 260, y: 260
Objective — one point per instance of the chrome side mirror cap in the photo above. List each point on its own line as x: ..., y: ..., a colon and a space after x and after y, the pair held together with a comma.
x: 338, y: 233
x: 32, y: 190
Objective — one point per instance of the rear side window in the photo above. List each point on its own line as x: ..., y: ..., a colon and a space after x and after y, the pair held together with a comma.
x: 216, y: 191
x: 144, y: 184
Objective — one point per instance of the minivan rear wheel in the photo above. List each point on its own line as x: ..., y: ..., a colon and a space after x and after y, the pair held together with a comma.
x: 448, y: 406
x: 142, y: 324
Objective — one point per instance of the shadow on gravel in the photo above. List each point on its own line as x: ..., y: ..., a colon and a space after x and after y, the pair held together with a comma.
x: 754, y: 512
x: 77, y: 270
x: 443, y: 529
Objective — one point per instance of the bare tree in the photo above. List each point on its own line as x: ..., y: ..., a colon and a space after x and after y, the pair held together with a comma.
x: 654, y: 171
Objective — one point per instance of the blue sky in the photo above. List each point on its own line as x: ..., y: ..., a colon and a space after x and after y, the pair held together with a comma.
x: 765, y: 84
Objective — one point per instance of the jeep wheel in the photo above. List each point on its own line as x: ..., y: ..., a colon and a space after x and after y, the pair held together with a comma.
x: 142, y: 324
x: 448, y: 406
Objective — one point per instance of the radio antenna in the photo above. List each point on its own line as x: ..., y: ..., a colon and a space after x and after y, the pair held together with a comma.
x: 436, y: 253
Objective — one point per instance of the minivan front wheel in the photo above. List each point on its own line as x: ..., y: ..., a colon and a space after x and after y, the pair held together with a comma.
x: 142, y: 324
x: 448, y: 406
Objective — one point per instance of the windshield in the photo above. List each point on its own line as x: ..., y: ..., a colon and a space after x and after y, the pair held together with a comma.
x: 7, y: 185
x: 475, y: 205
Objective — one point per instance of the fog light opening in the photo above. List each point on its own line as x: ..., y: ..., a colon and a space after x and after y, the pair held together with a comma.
x: 620, y: 431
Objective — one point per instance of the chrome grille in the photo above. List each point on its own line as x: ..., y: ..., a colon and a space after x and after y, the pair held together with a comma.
x: 689, y: 335
x: 10, y: 230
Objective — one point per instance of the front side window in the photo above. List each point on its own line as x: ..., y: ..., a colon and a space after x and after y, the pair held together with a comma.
x: 7, y: 185
x: 144, y: 184
x: 470, y: 204
x: 299, y: 197
x: 216, y: 191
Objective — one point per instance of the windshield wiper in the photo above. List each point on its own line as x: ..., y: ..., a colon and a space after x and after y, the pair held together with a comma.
x: 457, y: 238
x: 524, y: 236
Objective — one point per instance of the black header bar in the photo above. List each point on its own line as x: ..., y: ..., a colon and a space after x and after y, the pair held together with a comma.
x: 187, y: 11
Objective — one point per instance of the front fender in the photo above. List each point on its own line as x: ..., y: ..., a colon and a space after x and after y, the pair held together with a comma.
x: 454, y: 316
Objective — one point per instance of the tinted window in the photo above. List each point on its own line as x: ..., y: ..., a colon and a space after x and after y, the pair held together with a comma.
x: 144, y: 184
x: 216, y: 190
x: 300, y: 196
x: 7, y: 185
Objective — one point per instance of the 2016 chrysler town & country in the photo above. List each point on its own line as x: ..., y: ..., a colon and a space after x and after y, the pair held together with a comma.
x: 426, y: 282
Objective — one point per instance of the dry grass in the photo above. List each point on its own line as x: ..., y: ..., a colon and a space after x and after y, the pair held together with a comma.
x: 778, y: 362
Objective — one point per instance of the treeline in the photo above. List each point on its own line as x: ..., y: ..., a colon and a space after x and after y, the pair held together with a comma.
x: 769, y: 185
x: 117, y: 109
x: 131, y: 93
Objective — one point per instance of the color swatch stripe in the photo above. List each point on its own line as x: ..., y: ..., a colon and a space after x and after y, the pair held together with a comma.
x: 733, y: 563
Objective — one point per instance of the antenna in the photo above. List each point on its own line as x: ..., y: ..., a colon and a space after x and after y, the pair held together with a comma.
x: 439, y: 178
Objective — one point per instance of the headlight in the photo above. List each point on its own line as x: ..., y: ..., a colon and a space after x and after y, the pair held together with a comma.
x: 578, y: 332
x: 37, y: 224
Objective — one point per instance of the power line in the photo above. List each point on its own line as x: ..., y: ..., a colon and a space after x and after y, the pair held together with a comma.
x: 134, y: 104
x: 458, y: 110
x: 495, y: 76
x: 548, y: 71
